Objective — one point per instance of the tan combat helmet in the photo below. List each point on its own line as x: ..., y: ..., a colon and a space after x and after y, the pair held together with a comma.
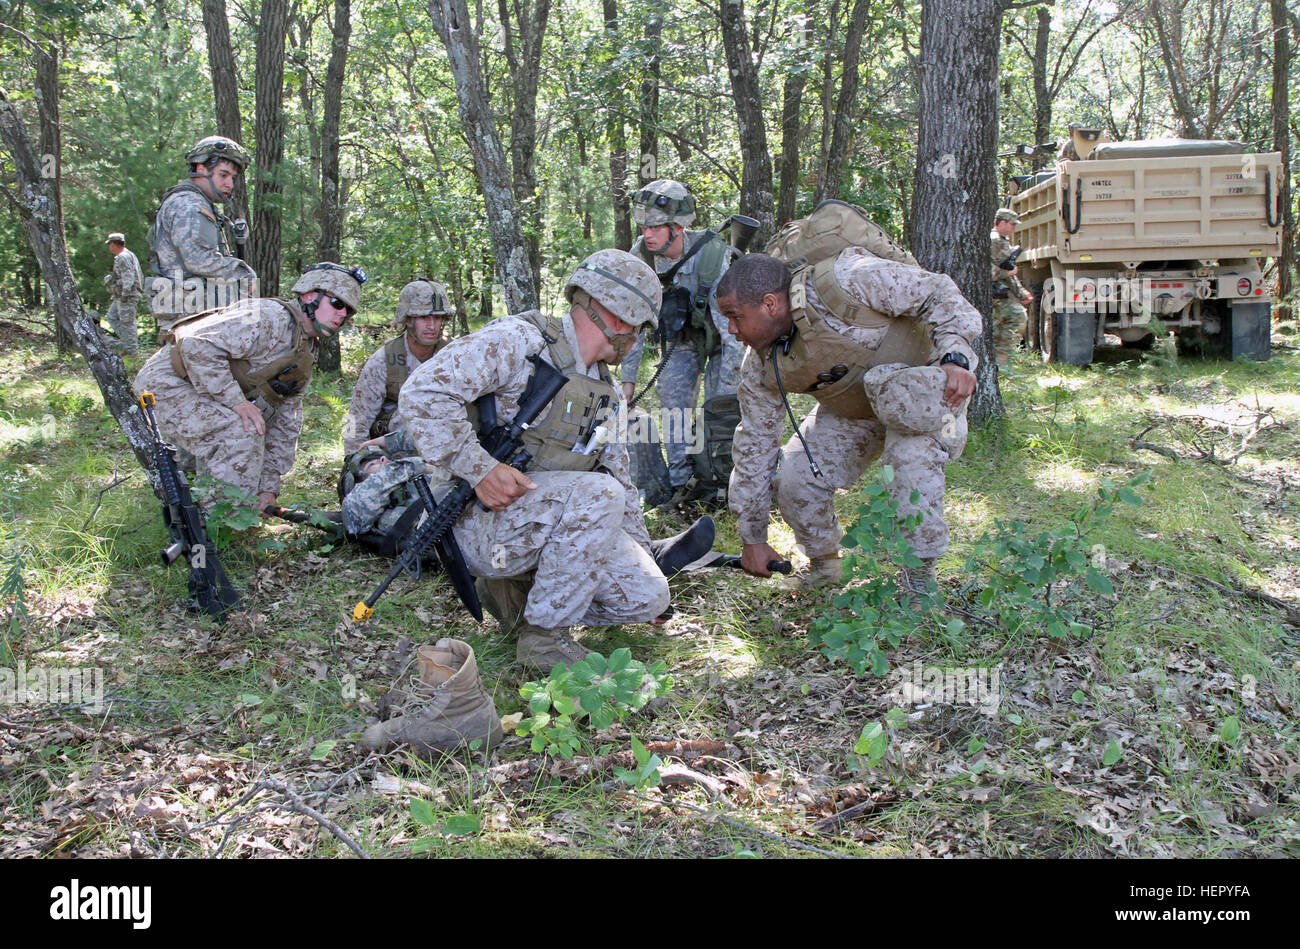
x: 207, y: 150
x: 663, y: 202
x: 343, y: 283
x: 1006, y: 214
x: 623, y: 284
x: 421, y: 298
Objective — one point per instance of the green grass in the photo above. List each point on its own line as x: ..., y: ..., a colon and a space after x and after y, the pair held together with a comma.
x: 1169, y: 660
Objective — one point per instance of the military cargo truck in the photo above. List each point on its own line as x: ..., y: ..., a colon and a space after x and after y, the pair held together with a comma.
x: 1132, y: 233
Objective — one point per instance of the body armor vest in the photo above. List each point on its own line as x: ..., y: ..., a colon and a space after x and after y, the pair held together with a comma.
x: 681, y: 307
x: 828, y: 366
x: 573, y: 415
x: 397, y: 374
x: 283, y: 379
x: 223, y: 246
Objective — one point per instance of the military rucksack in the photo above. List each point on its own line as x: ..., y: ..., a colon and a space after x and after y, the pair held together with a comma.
x: 833, y: 226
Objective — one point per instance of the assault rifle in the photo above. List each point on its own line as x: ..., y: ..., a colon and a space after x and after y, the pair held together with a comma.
x: 502, y: 442
x: 210, y: 589
x: 1010, y: 263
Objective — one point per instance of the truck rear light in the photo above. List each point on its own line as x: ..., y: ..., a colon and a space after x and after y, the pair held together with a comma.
x: 1243, y: 287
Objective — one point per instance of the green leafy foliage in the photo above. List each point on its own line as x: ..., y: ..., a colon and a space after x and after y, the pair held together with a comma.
x: 646, y: 773
x: 13, y: 593
x: 596, y: 692
x: 229, y: 509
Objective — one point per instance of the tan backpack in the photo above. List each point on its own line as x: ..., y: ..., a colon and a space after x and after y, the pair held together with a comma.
x: 833, y: 226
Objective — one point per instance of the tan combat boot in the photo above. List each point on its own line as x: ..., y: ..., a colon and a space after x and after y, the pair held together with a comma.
x: 821, y: 572
x: 456, y: 708
x: 545, y: 649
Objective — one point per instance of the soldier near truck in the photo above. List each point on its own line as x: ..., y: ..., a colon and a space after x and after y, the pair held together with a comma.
x: 1009, y: 297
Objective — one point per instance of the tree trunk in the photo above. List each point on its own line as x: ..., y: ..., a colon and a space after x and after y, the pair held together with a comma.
x: 40, y: 202
x: 828, y: 186
x: 513, y: 268
x: 756, y: 172
x: 525, y: 72
x: 51, y: 140
x: 955, y: 191
x: 791, y: 129
x: 225, y: 90
x: 616, y: 129
x: 649, y: 106
x: 331, y: 208
x: 272, y: 28
x: 1282, y: 143
x: 1042, y: 95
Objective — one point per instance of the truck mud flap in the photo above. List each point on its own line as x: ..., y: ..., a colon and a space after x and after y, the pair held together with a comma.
x: 1247, y: 333
x: 1074, y: 335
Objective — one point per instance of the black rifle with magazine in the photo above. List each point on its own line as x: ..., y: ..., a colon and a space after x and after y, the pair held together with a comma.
x: 502, y: 442
x: 210, y: 589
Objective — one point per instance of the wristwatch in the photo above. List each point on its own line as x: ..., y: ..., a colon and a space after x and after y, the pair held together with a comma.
x: 957, y: 359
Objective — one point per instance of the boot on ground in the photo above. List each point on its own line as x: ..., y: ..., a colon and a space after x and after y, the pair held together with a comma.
x: 821, y: 572
x: 456, y: 709
x: 544, y: 649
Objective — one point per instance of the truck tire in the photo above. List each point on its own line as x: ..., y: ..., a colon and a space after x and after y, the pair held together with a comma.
x: 1244, y: 333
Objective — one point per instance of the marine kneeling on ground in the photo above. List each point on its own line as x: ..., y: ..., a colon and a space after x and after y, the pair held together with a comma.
x: 562, y: 545
x: 229, y: 383
x: 422, y: 310
x: 887, y: 350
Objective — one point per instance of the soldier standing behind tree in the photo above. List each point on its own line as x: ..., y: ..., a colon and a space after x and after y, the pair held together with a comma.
x: 1009, y: 296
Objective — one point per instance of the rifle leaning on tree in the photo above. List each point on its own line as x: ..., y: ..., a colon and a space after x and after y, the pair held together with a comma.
x: 502, y: 442
x: 210, y: 589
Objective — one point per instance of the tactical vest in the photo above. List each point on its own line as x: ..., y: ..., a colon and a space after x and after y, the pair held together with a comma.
x: 283, y: 379
x: 829, y: 366
x: 574, y: 413
x: 397, y: 374
x: 155, y: 266
x: 700, y: 328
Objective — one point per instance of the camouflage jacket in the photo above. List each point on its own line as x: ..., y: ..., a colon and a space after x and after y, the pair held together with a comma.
x: 1000, y: 250
x: 368, y: 398
x: 893, y: 289
x: 260, y: 331
x: 126, y: 283
x: 687, y: 277
x: 189, y: 240
x: 435, y: 405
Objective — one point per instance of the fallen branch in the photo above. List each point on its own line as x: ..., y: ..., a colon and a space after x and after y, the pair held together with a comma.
x: 292, y: 803
x: 100, y: 498
x: 1291, y: 611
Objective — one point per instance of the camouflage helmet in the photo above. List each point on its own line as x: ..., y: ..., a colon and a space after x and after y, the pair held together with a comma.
x: 335, y: 279
x: 209, y: 149
x: 623, y: 284
x: 663, y: 202
x: 421, y: 298
x: 1006, y: 214
x: 353, y: 468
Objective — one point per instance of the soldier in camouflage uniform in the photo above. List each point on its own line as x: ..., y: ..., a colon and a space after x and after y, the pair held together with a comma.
x: 1009, y: 297
x: 422, y: 308
x: 887, y: 350
x: 229, y: 384
x: 189, y: 253
x: 565, y: 543
x: 664, y: 209
x: 380, y: 504
x: 125, y: 285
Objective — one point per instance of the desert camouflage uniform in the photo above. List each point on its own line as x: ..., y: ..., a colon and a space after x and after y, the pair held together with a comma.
x: 678, y: 386
x: 845, y: 448
x: 198, y: 414
x: 190, y: 242
x: 125, y: 284
x: 1009, y: 315
x: 582, y: 532
x: 368, y: 398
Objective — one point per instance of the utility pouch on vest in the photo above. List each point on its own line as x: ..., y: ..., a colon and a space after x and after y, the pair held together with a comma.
x: 674, y: 314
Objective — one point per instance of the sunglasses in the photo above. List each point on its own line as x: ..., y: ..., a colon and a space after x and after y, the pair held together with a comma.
x: 338, y: 304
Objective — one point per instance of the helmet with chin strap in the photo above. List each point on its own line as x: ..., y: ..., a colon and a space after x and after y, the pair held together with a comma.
x: 663, y: 202
x: 342, y: 283
x: 624, y: 285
